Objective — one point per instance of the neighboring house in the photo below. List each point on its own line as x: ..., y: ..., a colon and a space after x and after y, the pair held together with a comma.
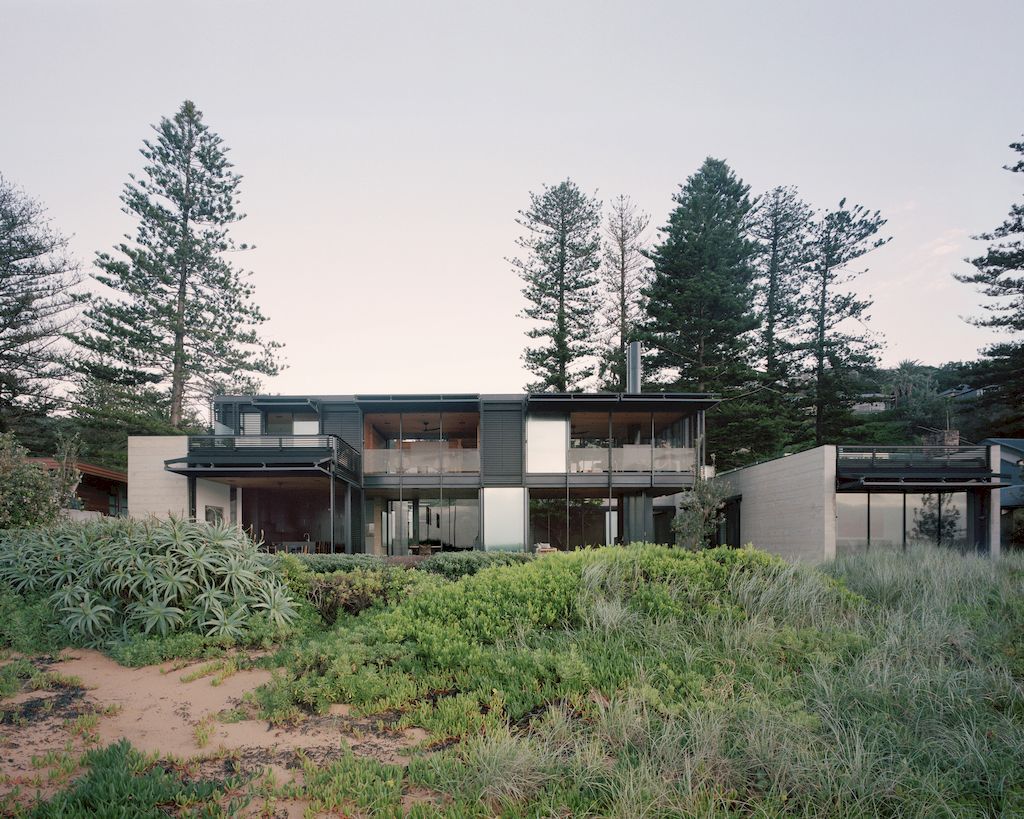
x: 871, y: 403
x: 964, y: 392
x: 1011, y: 497
x: 101, y: 490
x: 833, y: 500
x: 391, y: 474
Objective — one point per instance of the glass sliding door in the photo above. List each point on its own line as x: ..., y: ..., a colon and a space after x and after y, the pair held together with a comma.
x: 460, y: 442
x: 851, y: 523
x: 886, y: 521
x: 588, y: 442
x: 632, y: 435
x: 673, y: 443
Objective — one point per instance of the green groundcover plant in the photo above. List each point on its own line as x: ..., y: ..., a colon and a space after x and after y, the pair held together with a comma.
x: 115, y: 579
x: 655, y: 682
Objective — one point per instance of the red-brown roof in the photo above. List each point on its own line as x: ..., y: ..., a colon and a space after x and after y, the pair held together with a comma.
x: 84, y: 468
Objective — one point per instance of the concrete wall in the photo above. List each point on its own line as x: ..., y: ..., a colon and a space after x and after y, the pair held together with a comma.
x: 788, y: 505
x: 152, y: 490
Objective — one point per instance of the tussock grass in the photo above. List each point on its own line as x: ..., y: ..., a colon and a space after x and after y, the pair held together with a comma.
x: 649, y: 682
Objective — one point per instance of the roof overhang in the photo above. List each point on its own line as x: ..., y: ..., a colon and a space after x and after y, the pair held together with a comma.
x: 646, y: 401
x: 917, y: 483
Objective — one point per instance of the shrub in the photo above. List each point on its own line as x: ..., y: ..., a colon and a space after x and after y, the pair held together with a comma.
x: 358, y: 589
x: 454, y: 565
x: 322, y: 564
x: 123, y: 782
x: 111, y: 579
x: 29, y: 496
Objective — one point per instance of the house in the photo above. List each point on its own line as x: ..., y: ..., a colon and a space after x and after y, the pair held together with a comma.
x: 394, y: 474
x: 100, y: 491
x: 833, y: 500
x: 1011, y: 497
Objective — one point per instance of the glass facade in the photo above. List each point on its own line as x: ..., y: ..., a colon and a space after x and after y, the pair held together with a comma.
x: 421, y: 443
x: 410, y: 526
x: 572, y: 523
x: 596, y: 442
x: 886, y: 521
x: 588, y: 442
x: 892, y: 520
x: 292, y: 423
x: 851, y: 523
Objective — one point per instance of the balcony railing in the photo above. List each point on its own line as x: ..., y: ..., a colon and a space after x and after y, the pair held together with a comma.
x: 431, y: 461
x: 250, y: 448
x: 860, y: 460
x: 632, y: 458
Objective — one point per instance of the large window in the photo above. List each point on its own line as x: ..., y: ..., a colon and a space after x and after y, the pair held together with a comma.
x: 886, y: 521
x: 421, y: 443
x: 891, y: 520
x: 588, y: 442
x: 935, y: 517
x: 292, y: 423
x: 673, y: 443
x: 851, y: 523
x: 632, y: 433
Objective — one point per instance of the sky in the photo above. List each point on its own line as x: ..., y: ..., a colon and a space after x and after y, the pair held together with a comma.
x: 387, y: 146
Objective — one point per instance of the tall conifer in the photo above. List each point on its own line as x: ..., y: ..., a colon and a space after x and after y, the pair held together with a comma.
x: 700, y: 302
x: 182, y: 316
x: 562, y: 244
x: 999, y: 275
x: 837, y: 340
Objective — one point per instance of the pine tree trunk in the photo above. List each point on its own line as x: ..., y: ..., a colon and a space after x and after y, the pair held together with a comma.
x: 772, y: 308
x: 819, y: 368
x: 178, y: 374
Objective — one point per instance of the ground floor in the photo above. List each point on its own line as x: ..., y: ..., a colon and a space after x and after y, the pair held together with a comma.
x: 830, y: 501
x: 296, y: 516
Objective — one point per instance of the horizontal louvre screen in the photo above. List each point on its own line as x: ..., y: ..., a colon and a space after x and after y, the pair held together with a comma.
x: 251, y: 423
x: 501, y: 443
x: 347, y: 424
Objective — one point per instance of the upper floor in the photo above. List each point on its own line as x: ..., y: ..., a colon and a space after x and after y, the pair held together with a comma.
x: 533, y: 439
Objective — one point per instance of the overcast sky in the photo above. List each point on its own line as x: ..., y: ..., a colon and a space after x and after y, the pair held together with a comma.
x: 386, y: 147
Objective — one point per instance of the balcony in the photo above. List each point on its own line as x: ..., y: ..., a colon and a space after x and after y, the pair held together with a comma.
x: 912, y: 465
x: 422, y: 460
x: 632, y: 458
x: 280, y: 451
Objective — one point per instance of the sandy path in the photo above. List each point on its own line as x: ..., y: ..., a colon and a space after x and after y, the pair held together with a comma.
x: 156, y: 710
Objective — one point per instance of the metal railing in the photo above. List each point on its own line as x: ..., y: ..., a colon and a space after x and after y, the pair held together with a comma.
x: 860, y: 459
x: 341, y: 453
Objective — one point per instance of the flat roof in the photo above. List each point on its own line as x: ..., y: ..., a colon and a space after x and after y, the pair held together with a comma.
x: 567, y: 399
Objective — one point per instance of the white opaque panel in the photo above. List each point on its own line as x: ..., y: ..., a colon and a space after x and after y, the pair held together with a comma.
x: 504, y: 518
x: 547, y: 438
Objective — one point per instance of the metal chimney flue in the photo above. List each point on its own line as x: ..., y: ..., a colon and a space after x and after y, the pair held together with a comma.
x: 634, y: 364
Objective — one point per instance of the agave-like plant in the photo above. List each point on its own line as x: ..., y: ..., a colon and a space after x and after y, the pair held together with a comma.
x: 274, y: 599
x: 224, y: 624
x: 113, y: 578
x: 90, y: 617
x: 156, y: 615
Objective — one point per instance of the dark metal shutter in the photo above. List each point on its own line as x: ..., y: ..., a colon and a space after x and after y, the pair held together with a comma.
x: 346, y: 423
x: 501, y: 443
x: 357, y: 521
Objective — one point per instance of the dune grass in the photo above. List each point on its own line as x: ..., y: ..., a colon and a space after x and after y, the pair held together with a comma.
x: 645, y: 681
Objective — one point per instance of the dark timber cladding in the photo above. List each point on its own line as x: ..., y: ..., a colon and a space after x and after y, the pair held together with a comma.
x: 501, y: 442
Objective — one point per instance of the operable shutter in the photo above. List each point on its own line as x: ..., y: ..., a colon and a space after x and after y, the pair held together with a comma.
x: 346, y: 423
x: 501, y: 443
